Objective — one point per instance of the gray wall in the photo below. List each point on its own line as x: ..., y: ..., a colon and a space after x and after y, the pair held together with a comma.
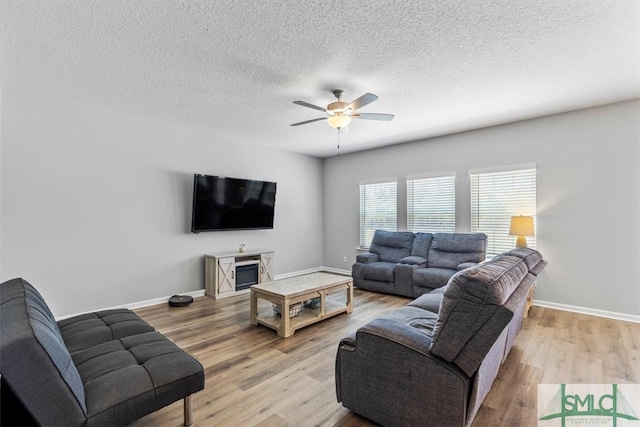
x: 588, y: 185
x: 96, y: 206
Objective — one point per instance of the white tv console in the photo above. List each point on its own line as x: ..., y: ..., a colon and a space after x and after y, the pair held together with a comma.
x: 227, y: 274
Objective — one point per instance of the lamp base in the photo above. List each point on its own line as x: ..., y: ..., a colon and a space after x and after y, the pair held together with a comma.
x: 521, y: 242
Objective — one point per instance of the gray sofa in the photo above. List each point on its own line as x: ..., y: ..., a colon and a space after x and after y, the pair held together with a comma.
x: 100, y: 369
x: 434, y: 361
x: 412, y: 264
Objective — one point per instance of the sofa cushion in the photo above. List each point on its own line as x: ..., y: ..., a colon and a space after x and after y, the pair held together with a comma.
x: 382, y: 271
x: 432, y: 277
x: 391, y: 246
x: 429, y: 301
x: 466, y: 265
x: 129, y: 378
x: 420, y: 322
x: 34, y: 360
x: 449, y: 250
x: 421, y: 244
x: 473, y: 302
x: 87, y: 330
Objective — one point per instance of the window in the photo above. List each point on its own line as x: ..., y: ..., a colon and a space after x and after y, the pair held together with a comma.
x: 378, y: 209
x: 498, y: 195
x: 431, y: 204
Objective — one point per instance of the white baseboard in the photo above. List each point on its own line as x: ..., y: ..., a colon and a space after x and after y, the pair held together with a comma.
x: 313, y: 270
x: 336, y: 270
x: 297, y: 273
x: 590, y: 311
x: 139, y: 304
x: 161, y: 300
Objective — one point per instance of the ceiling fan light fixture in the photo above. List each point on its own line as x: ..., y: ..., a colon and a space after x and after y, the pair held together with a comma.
x: 336, y: 107
x: 339, y: 121
x: 341, y: 113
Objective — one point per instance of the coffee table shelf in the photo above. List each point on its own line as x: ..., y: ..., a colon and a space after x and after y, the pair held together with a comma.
x: 334, y: 290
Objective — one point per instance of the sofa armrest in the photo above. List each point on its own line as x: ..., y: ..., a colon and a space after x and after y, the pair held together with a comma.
x: 465, y: 265
x: 348, y: 342
x: 367, y: 258
x: 414, y: 337
x: 403, y: 279
x: 414, y: 260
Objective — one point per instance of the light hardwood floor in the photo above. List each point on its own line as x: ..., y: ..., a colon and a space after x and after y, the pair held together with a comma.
x: 255, y: 378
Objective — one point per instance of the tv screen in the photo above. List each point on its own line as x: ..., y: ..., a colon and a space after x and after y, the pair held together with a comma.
x: 222, y: 203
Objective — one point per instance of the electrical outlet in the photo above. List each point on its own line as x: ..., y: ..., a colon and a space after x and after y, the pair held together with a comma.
x: 344, y: 259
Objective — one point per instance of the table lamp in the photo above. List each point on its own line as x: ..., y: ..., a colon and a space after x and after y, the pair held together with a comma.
x: 521, y: 226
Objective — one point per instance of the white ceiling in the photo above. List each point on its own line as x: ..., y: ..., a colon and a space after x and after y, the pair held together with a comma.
x: 233, y: 67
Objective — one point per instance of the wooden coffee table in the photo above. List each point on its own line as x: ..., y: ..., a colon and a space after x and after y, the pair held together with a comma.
x: 293, y: 290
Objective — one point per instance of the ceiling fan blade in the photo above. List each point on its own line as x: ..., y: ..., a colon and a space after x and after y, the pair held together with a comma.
x: 365, y: 99
x: 306, y: 104
x: 308, y: 121
x: 374, y: 116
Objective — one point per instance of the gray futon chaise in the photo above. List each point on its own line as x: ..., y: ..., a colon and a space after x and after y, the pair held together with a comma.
x: 100, y: 369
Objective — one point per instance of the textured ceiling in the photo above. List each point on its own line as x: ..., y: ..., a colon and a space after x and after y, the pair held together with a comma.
x: 233, y: 68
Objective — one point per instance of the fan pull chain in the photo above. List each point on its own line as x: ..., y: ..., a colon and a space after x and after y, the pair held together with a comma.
x: 339, y: 142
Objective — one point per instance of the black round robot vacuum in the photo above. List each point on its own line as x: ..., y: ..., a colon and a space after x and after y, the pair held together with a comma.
x: 180, y: 300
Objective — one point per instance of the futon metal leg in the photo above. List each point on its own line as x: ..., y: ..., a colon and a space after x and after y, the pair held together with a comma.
x: 188, y: 410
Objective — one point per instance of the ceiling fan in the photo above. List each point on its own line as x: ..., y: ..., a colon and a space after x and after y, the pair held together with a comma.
x: 340, y: 113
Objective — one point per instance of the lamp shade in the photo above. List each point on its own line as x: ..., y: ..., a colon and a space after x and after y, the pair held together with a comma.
x: 521, y: 226
x: 339, y: 121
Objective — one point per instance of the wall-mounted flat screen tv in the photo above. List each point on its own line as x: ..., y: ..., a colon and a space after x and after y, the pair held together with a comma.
x: 223, y: 203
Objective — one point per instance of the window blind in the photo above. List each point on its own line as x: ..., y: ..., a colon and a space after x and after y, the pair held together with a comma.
x: 378, y: 209
x: 431, y: 204
x: 496, y: 196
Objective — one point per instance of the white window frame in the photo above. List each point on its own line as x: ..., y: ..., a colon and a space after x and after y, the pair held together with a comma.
x: 377, y: 213
x: 431, y: 203
x: 497, y: 195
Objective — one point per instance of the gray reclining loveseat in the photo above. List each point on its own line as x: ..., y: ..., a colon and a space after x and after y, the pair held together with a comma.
x: 100, y: 369
x: 433, y: 362
x: 411, y: 264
